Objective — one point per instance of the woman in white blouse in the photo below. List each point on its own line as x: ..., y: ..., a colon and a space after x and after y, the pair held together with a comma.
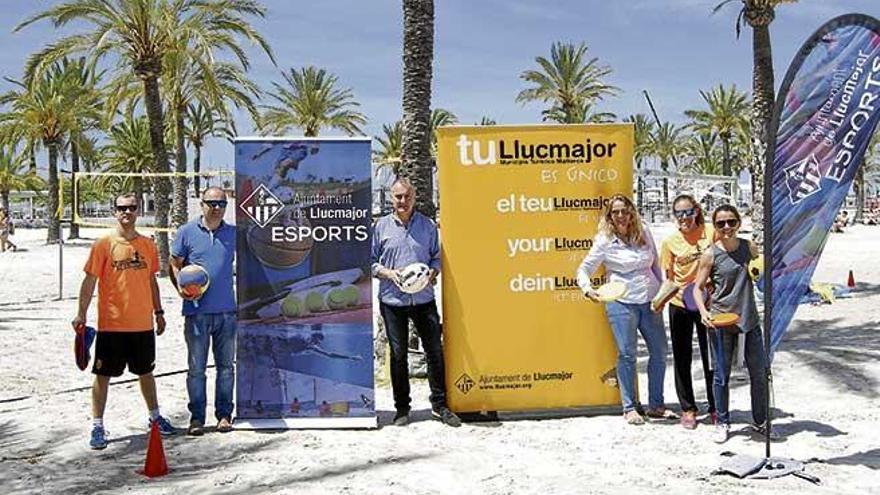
x: 625, y: 246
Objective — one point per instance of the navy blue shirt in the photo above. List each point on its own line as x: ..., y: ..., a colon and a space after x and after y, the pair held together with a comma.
x: 214, y: 251
x: 396, y: 245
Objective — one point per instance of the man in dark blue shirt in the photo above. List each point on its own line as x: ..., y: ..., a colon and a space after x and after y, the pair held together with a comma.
x: 209, y: 242
x: 404, y: 237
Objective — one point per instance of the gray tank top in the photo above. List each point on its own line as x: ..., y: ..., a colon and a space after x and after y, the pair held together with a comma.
x: 733, y: 291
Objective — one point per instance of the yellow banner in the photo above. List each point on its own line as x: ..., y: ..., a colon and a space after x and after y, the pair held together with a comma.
x: 519, y: 206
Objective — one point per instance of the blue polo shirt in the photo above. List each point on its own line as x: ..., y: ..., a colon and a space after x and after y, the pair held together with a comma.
x: 396, y: 245
x: 215, y: 252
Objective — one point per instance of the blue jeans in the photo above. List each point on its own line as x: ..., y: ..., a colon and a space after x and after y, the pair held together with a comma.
x: 625, y: 319
x: 218, y: 329
x: 725, y: 347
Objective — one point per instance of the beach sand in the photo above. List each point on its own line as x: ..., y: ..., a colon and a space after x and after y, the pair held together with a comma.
x: 827, y: 381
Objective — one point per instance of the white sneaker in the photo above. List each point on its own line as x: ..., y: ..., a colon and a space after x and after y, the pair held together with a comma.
x: 722, y: 431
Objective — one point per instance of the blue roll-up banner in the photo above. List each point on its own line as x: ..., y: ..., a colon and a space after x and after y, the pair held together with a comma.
x: 826, y: 112
x: 305, y: 332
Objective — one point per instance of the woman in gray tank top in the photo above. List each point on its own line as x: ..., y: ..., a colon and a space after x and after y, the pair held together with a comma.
x: 724, y: 267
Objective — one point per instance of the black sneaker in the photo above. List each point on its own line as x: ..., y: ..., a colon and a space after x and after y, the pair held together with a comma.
x: 447, y: 417
x: 401, y: 418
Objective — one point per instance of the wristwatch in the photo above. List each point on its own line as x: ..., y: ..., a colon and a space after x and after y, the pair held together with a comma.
x: 159, y: 312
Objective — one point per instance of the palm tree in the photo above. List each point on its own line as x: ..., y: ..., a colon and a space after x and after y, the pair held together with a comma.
x: 311, y: 101
x: 43, y: 110
x: 141, y: 33
x: 726, y: 114
x: 418, y: 62
x: 129, y: 150
x: 191, y: 75
x: 759, y: 14
x: 391, y: 147
x: 643, y: 128
x: 86, y: 100
x: 201, y: 124
x: 392, y: 140
x: 14, y: 175
x: 703, y: 155
x: 569, y: 82
x: 666, y: 144
x: 868, y: 168
x: 439, y: 118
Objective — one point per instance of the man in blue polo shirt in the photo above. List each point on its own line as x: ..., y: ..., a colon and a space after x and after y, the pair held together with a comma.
x: 209, y: 242
x: 404, y: 237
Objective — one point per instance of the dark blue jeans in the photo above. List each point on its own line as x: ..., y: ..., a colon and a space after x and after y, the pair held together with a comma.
x: 427, y: 323
x: 201, y: 332
x: 725, y: 345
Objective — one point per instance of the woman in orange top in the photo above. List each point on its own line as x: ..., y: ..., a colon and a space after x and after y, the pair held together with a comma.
x: 679, y: 257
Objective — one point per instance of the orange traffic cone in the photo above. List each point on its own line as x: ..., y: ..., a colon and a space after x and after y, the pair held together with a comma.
x: 850, y: 281
x: 155, y: 464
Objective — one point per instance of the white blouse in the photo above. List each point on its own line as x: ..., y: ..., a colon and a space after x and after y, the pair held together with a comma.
x: 638, y: 267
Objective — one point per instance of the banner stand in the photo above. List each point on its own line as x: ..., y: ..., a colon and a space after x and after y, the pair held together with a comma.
x: 305, y: 316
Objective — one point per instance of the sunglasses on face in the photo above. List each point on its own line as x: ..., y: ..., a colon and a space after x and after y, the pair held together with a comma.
x: 126, y: 208
x: 215, y: 203
x: 616, y: 213
x: 684, y: 213
x: 730, y: 223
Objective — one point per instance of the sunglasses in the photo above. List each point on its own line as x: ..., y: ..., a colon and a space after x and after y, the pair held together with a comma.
x: 684, y: 213
x: 730, y: 223
x: 126, y: 208
x: 215, y: 203
x: 619, y: 212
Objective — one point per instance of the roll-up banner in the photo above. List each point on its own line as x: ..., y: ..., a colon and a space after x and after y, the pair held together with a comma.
x: 304, y: 356
x: 826, y: 112
x: 519, y: 206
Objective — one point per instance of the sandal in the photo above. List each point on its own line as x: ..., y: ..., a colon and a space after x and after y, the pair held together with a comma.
x: 660, y: 413
x: 633, y: 418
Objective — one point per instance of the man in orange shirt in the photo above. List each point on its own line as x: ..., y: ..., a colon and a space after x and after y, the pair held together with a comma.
x: 124, y: 266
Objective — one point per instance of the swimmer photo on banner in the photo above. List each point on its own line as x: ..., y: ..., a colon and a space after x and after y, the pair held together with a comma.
x: 519, y: 333
x: 305, y: 336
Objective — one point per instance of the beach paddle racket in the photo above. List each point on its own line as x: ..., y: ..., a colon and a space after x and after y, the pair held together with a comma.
x: 725, y: 319
x: 82, y: 345
x: 611, y: 291
x: 667, y: 291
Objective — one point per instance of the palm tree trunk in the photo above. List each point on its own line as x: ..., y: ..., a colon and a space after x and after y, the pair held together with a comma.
x: 74, y: 205
x: 52, y: 203
x: 664, y: 165
x: 418, y: 58
x: 179, y: 211
x: 640, y: 189
x: 762, y: 109
x: 161, y: 191
x: 4, y: 201
x: 32, y: 158
x: 197, y: 167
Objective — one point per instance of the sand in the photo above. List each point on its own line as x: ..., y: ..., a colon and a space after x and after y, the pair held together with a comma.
x: 827, y: 381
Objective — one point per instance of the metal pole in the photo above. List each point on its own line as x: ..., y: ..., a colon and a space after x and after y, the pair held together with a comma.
x: 60, y: 268
x: 657, y: 119
x: 769, y: 155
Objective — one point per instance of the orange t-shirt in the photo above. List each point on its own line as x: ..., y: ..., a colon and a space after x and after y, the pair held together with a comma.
x: 681, y: 254
x: 125, y: 270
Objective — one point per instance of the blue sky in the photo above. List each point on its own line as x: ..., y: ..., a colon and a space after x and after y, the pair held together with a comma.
x: 672, y: 48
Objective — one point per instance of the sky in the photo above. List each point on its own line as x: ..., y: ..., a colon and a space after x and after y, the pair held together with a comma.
x: 671, y: 48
